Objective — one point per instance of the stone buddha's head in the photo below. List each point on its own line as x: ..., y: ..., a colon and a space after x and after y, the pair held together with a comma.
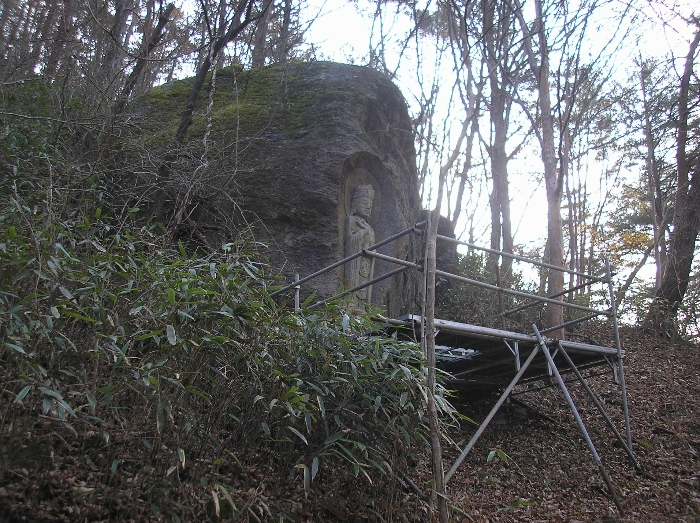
x: 362, y: 198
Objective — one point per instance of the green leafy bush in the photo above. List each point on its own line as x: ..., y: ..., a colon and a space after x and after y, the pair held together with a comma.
x: 169, y: 374
x: 123, y: 340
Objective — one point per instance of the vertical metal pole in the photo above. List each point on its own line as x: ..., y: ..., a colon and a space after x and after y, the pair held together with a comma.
x: 297, y: 289
x: 493, y: 412
x: 501, y: 308
x: 618, y: 345
x: 579, y: 421
x: 424, y: 343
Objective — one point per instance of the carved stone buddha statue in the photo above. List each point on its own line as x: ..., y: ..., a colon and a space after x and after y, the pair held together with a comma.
x: 359, y: 235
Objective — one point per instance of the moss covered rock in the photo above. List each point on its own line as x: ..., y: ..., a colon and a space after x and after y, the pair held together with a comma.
x: 287, y: 145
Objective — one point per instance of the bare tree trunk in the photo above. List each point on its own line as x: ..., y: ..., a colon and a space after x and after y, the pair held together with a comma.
x: 552, y: 178
x: 22, y: 38
x: 686, y: 218
x: 653, y: 183
x: 110, y: 64
x: 284, y: 45
x: 149, y: 46
x: 11, y: 41
x: 669, y: 296
x: 470, y: 93
x: 6, y: 15
x: 260, y: 38
x: 499, y: 173
x: 572, y: 222
x: 43, y: 25
x: 497, y: 56
x: 553, y: 182
x: 64, y: 35
x: 436, y: 447
x: 583, y: 211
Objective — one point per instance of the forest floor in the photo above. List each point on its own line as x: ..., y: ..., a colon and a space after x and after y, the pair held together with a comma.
x: 548, y: 476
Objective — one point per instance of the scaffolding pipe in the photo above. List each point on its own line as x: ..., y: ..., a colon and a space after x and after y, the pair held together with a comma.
x: 501, y: 290
x: 570, y: 323
x: 562, y: 293
x: 297, y: 290
x: 521, y: 294
x: 391, y: 259
x: 579, y: 420
x: 593, y: 279
x: 360, y: 287
x: 498, y: 334
x: 349, y: 258
x: 545, y: 387
x: 493, y: 412
x: 600, y: 408
x: 618, y: 345
x: 501, y: 307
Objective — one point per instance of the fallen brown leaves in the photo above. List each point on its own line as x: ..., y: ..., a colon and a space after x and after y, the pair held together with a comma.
x: 551, y: 475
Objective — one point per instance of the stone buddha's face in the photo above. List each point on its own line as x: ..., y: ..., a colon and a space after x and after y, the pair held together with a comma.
x: 365, y: 267
x: 363, y: 207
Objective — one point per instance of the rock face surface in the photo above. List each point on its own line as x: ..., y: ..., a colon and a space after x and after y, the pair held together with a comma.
x: 288, y: 147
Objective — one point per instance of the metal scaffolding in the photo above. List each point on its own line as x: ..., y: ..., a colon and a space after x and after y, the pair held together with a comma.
x: 481, y: 357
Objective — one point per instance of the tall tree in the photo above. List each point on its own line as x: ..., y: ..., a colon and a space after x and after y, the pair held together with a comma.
x: 259, y: 53
x: 449, y: 36
x: 150, y: 43
x: 91, y: 49
x: 278, y: 32
x: 641, y: 221
x: 659, y: 219
x: 567, y: 94
x: 502, y: 54
x: 686, y: 214
x: 537, y: 49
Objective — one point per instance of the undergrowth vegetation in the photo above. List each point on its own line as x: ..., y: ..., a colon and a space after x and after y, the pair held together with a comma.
x: 172, y: 377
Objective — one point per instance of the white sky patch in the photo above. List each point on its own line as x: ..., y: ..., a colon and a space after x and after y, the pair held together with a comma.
x: 340, y: 32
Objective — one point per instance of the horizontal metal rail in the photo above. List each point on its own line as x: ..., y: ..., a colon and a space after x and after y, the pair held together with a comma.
x: 391, y: 259
x: 562, y: 293
x: 521, y: 294
x: 499, y: 334
x: 570, y: 323
x: 362, y: 286
x: 490, y: 365
x: 593, y: 279
x: 390, y: 239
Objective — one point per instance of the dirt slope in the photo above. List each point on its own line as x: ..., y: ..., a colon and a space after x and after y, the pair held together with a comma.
x: 551, y: 475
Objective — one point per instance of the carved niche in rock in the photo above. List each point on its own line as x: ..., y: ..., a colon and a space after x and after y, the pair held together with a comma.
x: 359, y: 235
x: 371, y: 210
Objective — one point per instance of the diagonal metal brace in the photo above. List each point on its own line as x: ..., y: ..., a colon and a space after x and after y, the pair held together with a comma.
x: 493, y: 412
x: 579, y: 421
x: 600, y: 408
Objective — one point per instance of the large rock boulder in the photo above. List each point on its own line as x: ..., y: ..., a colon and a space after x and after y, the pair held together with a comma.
x: 288, y: 147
